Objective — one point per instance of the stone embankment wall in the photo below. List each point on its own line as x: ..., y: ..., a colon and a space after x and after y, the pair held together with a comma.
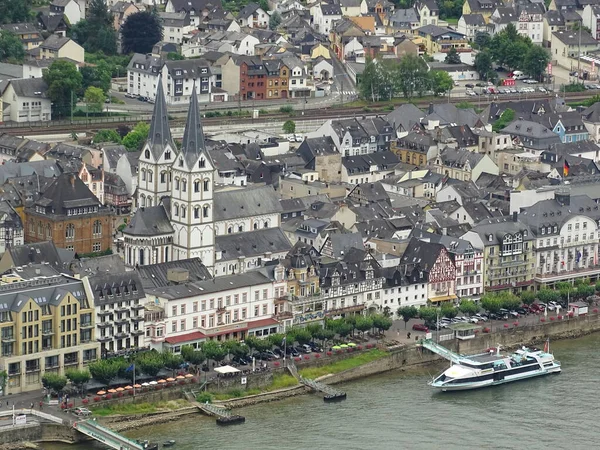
x: 124, y: 423
x: 30, y: 432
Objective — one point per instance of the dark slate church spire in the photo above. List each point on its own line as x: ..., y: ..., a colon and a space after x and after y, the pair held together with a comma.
x: 193, y: 144
x: 159, y: 135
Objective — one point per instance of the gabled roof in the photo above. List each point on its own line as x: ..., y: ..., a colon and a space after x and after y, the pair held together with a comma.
x: 26, y: 87
x: 155, y: 275
x: 405, y: 117
x: 249, y: 201
x: 248, y: 10
x: 116, y: 287
x: 569, y: 37
x: 37, y: 253
x: 252, y: 243
x: 423, y: 254
x: 67, y: 191
x: 455, y: 157
x: 55, y: 42
x: 554, y: 18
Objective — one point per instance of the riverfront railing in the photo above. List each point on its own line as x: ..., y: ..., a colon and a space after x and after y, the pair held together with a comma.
x: 440, y: 350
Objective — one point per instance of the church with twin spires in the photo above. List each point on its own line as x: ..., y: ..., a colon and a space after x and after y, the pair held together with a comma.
x: 176, y: 216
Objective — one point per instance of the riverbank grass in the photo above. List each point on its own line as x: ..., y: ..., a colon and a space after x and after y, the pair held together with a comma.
x: 280, y: 381
x: 127, y: 409
x: 344, y: 364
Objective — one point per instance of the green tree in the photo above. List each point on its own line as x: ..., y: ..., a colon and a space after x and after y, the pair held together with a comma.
x: 412, y: 76
x: 302, y: 336
x: 536, y: 61
x: 173, y: 56
x: 406, y: 313
x: 149, y: 363
x: 448, y: 310
x: 428, y: 314
x: 510, y: 301
x: 547, y: 295
x: 105, y: 42
x: 289, y: 126
x: 14, y: 11
x: 262, y: 345
x: 78, y: 377
x: 63, y: 80
x: 274, y: 20
x: 441, y: 82
x: 324, y: 335
x: 230, y: 347
x: 107, y: 136
x: 482, y: 40
x: 491, y: 303
x: 54, y: 382
x: 468, y: 307
x: 583, y: 292
x: 505, y: 118
x: 97, y: 76
x: 452, y: 57
x: 381, y: 323
x: 276, y: 339
x: 213, y: 350
x: 364, y: 324
x: 105, y: 370
x: 94, y: 98
x: 135, y: 138
x: 193, y: 357
x: 251, y: 341
x: 483, y: 64
x: 11, y: 48
x: 140, y: 32
x: 528, y: 297
x: 171, y: 360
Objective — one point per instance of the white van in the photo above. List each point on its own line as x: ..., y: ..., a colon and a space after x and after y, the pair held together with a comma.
x: 518, y: 75
x: 306, y: 348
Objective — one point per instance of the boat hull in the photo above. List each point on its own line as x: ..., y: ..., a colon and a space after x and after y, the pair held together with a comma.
x: 487, y: 383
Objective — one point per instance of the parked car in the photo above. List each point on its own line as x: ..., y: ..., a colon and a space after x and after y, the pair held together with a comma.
x: 306, y: 348
x: 469, y: 85
x: 272, y: 354
x: 240, y: 360
x: 279, y: 352
x: 420, y: 327
x: 474, y: 319
x: 293, y: 352
x: 522, y: 311
x: 82, y: 412
x: 298, y: 137
x: 315, y: 347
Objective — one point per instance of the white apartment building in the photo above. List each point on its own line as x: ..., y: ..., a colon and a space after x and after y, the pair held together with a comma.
x: 228, y: 307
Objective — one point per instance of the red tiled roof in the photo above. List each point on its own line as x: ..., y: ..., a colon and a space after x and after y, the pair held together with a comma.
x: 185, y: 338
x: 262, y: 323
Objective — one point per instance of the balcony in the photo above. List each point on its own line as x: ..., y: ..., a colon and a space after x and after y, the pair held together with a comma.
x: 47, y: 332
x: 86, y: 325
x: 103, y: 338
x: 511, y: 263
x: 8, y: 338
x: 71, y: 361
x: 137, y: 332
x: 121, y: 335
x: 137, y: 306
x: 105, y: 324
x: 137, y: 318
x: 221, y: 310
x: 32, y: 368
x: 579, y: 272
x: 344, y: 310
x: 105, y: 312
x: 283, y: 316
x: 122, y: 321
x: 122, y: 309
x: 517, y: 273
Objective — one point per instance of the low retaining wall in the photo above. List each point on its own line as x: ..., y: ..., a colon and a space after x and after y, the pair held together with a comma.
x: 531, y: 334
x: 124, y: 423
x: 30, y: 432
x: 265, y: 397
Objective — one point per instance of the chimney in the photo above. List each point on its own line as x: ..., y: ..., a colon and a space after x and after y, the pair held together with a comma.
x: 431, y: 108
x: 515, y: 214
x: 178, y: 275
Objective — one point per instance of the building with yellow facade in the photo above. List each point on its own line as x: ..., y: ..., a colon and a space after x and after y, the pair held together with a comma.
x: 46, y: 325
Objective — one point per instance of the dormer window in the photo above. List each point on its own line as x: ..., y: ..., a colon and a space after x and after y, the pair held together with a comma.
x: 168, y: 154
x: 202, y: 163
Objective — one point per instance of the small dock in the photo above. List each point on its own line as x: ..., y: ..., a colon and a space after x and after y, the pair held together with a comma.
x: 224, y: 416
x: 331, y: 394
x: 440, y: 350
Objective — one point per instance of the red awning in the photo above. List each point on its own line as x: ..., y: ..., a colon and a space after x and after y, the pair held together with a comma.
x: 190, y: 337
x: 262, y: 323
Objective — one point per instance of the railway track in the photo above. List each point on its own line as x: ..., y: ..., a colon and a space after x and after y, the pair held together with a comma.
x: 323, y: 114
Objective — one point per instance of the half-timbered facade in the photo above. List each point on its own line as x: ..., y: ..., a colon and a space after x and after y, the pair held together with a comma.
x: 433, y: 259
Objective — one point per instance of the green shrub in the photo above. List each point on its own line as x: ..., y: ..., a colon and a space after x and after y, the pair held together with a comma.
x: 204, y: 397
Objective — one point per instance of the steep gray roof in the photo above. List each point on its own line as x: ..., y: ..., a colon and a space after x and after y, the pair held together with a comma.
x: 48, y: 291
x: 193, y: 145
x: 405, y: 117
x: 159, y: 135
x: 37, y: 253
x: 116, y: 287
x: 454, y: 157
x: 252, y: 243
x: 101, y: 264
x: 27, y: 87
x: 155, y: 275
x: 149, y: 221
x: 250, y: 201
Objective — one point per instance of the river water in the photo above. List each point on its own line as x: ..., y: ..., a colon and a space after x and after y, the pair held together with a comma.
x: 399, y: 411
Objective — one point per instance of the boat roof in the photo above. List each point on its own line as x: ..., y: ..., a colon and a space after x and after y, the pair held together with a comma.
x: 485, y: 357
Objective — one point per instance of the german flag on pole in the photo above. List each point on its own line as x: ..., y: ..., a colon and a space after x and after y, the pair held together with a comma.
x: 566, y: 168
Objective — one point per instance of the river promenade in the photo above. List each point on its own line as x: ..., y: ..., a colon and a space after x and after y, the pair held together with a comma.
x: 401, y: 353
